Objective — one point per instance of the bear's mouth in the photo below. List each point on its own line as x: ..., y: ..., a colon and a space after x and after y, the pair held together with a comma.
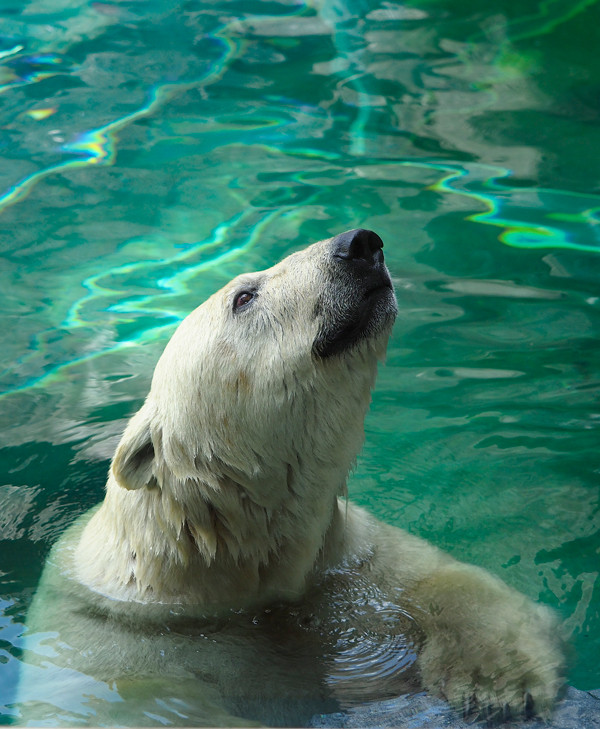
x: 364, y: 316
x: 382, y: 288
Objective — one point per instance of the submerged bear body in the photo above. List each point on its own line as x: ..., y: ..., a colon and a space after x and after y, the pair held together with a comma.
x: 347, y: 641
x: 222, y: 581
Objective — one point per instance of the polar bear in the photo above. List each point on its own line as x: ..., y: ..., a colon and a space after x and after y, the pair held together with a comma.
x: 223, y: 581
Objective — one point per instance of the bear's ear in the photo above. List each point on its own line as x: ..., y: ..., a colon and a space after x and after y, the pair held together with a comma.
x: 133, y: 462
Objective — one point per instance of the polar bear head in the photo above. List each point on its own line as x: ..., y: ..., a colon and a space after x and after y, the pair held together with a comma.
x: 260, y: 396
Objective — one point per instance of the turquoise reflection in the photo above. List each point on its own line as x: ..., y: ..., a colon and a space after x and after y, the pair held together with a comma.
x: 140, y: 299
x: 529, y: 218
x: 98, y: 146
x: 109, y: 293
x: 525, y: 215
x: 23, y: 70
x: 550, y: 15
x: 93, y: 147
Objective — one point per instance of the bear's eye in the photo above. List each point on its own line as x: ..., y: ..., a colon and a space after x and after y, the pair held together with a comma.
x: 243, y: 299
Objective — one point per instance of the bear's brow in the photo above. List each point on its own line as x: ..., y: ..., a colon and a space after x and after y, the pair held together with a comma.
x: 248, y: 281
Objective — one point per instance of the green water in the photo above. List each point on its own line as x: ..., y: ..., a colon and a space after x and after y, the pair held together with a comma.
x: 151, y: 151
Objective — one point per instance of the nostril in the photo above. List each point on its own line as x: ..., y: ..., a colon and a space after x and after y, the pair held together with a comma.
x: 357, y: 244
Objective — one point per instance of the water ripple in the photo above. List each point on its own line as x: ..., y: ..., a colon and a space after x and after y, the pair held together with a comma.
x: 110, y: 291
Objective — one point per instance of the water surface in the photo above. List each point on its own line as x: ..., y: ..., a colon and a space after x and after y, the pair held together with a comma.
x: 152, y: 152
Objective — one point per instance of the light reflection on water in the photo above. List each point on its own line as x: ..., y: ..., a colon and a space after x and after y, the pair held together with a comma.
x: 124, y: 290
x: 150, y: 154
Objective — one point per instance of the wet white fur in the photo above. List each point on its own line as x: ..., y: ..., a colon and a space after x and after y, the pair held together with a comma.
x: 223, y: 494
x: 253, y: 441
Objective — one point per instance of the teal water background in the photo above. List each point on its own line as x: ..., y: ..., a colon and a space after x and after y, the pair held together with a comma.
x: 151, y: 151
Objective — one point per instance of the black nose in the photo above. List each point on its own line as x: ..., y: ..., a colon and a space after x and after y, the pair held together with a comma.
x: 358, y: 244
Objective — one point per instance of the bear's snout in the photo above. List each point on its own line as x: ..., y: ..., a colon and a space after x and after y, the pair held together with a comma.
x: 358, y: 244
x: 360, y: 254
x: 359, y: 302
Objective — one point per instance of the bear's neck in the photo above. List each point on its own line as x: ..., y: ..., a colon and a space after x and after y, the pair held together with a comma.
x: 226, y: 552
x: 229, y: 535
